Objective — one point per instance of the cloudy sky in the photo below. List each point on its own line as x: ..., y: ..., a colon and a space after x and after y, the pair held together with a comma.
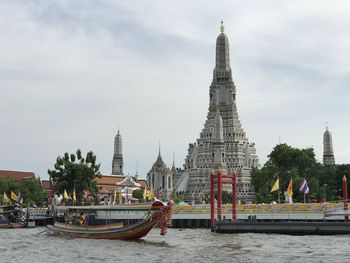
x: 72, y: 72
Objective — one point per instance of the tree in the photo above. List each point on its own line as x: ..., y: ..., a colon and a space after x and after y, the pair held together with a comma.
x: 287, y: 162
x: 73, y: 172
x: 30, y: 189
x: 138, y: 193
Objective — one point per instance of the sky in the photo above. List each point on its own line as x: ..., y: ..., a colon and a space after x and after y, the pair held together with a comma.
x: 74, y: 72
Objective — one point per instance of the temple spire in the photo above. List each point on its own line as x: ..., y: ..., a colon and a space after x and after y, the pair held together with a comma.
x: 222, y: 52
x: 117, y: 162
x: 328, y: 155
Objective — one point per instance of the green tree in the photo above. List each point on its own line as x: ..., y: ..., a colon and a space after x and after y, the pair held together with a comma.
x: 138, y: 193
x: 73, y: 171
x: 30, y: 189
x: 287, y: 162
x: 178, y: 199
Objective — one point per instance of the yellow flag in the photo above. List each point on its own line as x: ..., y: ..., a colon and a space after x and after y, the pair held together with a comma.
x: 151, y: 194
x: 290, y: 188
x: 276, y: 186
x: 74, y: 196
x: 65, y: 195
x: 6, y: 199
x: 14, y: 197
x: 145, y: 193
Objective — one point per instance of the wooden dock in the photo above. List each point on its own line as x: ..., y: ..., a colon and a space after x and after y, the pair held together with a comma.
x: 284, y: 227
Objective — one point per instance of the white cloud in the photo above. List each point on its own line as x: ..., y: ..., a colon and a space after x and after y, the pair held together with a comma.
x: 73, y: 71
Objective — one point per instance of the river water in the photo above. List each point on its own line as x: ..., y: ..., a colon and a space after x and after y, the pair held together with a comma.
x: 179, y: 245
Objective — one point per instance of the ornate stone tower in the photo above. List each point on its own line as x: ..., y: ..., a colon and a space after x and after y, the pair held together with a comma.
x: 117, y: 163
x: 223, y: 142
x: 328, y: 155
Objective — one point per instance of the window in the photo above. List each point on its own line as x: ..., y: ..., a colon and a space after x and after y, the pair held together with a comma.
x: 169, y: 182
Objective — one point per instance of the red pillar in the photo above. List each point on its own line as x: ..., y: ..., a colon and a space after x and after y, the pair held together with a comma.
x: 234, y: 213
x: 212, y: 206
x: 345, y: 198
x: 219, y: 194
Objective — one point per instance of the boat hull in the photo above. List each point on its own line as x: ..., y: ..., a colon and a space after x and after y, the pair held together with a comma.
x: 135, y: 231
x: 11, y: 225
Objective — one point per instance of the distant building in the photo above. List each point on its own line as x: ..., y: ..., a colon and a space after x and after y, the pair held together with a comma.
x: 117, y: 162
x: 17, y: 175
x: 106, y: 184
x: 160, y: 177
x: 222, y: 142
x: 47, y: 186
x: 328, y: 155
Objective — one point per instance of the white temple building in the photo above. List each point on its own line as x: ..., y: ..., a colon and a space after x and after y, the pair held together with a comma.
x: 222, y: 142
x: 160, y: 177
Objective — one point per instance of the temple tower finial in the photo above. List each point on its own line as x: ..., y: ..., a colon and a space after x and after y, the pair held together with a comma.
x: 222, y: 26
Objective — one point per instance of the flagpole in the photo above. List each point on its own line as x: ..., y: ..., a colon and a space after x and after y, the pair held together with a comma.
x: 304, y: 198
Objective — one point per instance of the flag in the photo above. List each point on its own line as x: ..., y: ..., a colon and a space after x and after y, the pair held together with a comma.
x: 304, y: 187
x: 20, y: 198
x: 115, y: 196
x: 14, y: 197
x: 145, y: 193
x: 6, y: 199
x: 276, y: 186
x: 151, y: 194
x: 74, y: 196
x: 290, y: 188
x: 65, y: 195
x: 85, y: 195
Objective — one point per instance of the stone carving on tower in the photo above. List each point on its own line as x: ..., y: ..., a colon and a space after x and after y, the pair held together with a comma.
x: 222, y: 143
x: 328, y: 155
x: 117, y: 162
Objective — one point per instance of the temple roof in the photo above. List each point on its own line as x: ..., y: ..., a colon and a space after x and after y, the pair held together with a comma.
x: 18, y: 175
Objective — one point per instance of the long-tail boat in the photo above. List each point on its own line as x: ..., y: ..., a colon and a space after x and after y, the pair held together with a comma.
x: 156, y: 214
x: 11, y: 217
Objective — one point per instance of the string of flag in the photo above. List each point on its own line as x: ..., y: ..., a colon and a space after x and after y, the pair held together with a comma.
x: 304, y: 188
x: 14, y: 197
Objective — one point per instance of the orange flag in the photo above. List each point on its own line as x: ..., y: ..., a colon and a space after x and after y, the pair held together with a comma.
x: 290, y: 188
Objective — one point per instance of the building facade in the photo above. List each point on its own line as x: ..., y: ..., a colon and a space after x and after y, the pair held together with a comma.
x: 222, y: 142
x: 160, y: 177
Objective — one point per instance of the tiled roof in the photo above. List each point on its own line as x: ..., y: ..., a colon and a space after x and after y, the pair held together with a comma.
x: 109, y: 182
x: 109, y: 179
x: 18, y: 175
x: 142, y: 182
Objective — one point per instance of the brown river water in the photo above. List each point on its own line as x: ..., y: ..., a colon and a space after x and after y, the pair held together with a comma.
x: 179, y: 245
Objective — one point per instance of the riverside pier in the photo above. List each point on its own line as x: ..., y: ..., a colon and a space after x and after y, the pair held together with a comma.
x: 335, y: 220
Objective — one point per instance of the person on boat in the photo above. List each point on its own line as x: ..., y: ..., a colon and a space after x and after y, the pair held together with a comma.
x: 81, y: 219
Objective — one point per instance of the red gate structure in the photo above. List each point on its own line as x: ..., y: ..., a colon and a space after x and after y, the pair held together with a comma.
x: 219, y: 179
x: 345, y: 199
